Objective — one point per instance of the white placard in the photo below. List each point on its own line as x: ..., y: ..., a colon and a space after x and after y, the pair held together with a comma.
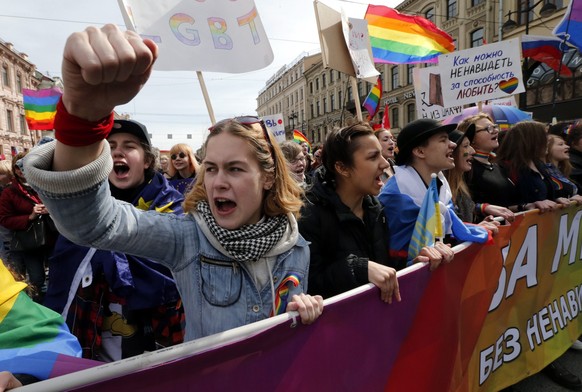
x: 429, y: 97
x: 218, y: 35
x: 358, y: 42
x: 477, y: 74
x: 276, y: 126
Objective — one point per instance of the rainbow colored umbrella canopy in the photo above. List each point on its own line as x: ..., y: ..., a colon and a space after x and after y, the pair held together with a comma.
x: 501, y: 115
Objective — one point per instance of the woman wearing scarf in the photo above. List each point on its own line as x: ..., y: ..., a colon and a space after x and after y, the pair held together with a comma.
x: 236, y: 255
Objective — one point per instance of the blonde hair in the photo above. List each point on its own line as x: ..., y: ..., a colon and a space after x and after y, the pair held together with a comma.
x: 564, y: 166
x: 464, y: 124
x: 193, y: 164
x: 285, y: 194
x: 455, y: 176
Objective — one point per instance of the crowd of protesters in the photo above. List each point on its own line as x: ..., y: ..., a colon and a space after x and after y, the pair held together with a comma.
x: 158, y: 249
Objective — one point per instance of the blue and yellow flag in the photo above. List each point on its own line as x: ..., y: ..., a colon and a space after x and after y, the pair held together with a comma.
x: 428, y: 225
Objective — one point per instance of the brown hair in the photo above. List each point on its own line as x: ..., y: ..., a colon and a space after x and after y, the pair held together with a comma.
x: 526, y: 142
x: 290, y: 149
x: 455, y: 176
x: 285, y: 195
x: 193, y: 164
x: 564, y: 166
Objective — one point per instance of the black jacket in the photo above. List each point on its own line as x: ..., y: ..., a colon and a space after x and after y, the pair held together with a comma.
x: 341, y: 244
x: 576, y: 161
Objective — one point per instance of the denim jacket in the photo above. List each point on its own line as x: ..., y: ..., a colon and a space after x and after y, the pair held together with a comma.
x: 218, y: 293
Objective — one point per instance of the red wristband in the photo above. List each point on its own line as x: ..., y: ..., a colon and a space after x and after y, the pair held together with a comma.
x: 77, y: 132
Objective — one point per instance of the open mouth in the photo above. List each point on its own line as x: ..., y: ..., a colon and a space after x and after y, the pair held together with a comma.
x: 120, y: 168
x: 224, y: 205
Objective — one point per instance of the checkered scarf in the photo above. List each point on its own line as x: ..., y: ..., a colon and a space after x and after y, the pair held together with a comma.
x: 249, y: 242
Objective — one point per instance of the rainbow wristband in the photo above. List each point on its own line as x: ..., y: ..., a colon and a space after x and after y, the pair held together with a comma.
x: 77, y: 132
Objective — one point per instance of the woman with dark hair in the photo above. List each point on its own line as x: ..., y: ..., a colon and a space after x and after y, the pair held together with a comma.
x: 388, y: 143
x: 557, y: 162
x: 343, y: 220
x: 521, y: 154
x: 19, y: 207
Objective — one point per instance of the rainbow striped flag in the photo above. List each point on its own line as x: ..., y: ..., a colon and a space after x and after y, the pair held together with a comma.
x: 298, y: 137
x: 371, y: 103
x: 428, y: 224
x: 40, y: 107
x: 34, y: 340
x: 405, y: 39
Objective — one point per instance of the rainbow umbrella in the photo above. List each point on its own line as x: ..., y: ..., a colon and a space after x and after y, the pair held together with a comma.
x: 502, y: 115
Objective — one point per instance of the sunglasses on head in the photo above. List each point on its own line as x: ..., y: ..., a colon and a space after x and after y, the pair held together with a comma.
x: 249, y: 121
x: 175, y: 156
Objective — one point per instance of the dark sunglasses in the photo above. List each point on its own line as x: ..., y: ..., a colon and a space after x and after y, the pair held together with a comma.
x: 175, y: 156
x: 248, y: 121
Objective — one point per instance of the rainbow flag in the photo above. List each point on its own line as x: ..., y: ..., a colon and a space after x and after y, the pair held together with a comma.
x: 428, y: 224
x: 371, y: 103
x: 405, y: 39
x: 40, y: 107
x: 298, y: 137
x: 34, y: 340
x: 570, y: 27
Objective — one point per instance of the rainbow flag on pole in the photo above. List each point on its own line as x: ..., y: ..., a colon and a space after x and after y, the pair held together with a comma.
x: 405, y: 39
x: 372, y: 101
x: 34, y: 340
x: 298, y: 137
x: 40, y: 107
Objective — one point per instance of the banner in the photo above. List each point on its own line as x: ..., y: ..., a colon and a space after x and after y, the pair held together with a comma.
x: 276, y: 126
x: 485, y: 72
x: 217, y: 36
x: 429, y: 95
x: 358, y: 42
x: 493, y: 316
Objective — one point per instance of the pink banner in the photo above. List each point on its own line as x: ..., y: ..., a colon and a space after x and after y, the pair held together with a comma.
x: 441, y: 337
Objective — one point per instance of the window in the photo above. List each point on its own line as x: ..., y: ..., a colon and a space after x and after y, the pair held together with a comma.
x: 394, y: 118
x: 477, y: 38
x: 350, y: 93
x: 318, y: 108
x: 523, y: 5
x: 410, y: 112
x: 395, y: 81
x: 9, y: 121
x: 429, y: 14
x: 324, y: 105
x: 19, y: 82
x: 475, y: 3
x: 311, y: 87
x: 312, y: 111
x: 451, y: 9
x: 331, y: 76
x: 323, y: 80
x: 340, y: 101
x: 22, y: 124
x: 317, y: 84
x: 409, y: 69
x: 332, y: 102
x: 5, y: 76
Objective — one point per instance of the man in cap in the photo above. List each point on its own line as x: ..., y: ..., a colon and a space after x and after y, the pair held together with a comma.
x: 424, y: 148
x: 120, y: 305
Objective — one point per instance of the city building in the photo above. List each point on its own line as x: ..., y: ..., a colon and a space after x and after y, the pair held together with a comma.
x: 315, y: 100
x: 16, y: 73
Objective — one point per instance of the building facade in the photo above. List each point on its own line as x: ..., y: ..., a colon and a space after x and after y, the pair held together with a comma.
x: 327, y: 99
x: 16, y: 73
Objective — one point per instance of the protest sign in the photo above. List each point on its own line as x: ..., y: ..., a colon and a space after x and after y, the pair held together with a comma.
x: 429, y: 96
x: 485, y: 72
x: 276, y: 126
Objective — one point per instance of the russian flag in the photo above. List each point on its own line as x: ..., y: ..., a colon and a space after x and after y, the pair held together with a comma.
x: 547, y: 50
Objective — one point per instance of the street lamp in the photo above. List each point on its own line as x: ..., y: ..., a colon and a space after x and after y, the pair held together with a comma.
x: 510, y: 25
x: 292, y: 118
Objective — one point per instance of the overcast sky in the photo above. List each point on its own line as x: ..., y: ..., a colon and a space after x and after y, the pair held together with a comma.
x: 171, y: 102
